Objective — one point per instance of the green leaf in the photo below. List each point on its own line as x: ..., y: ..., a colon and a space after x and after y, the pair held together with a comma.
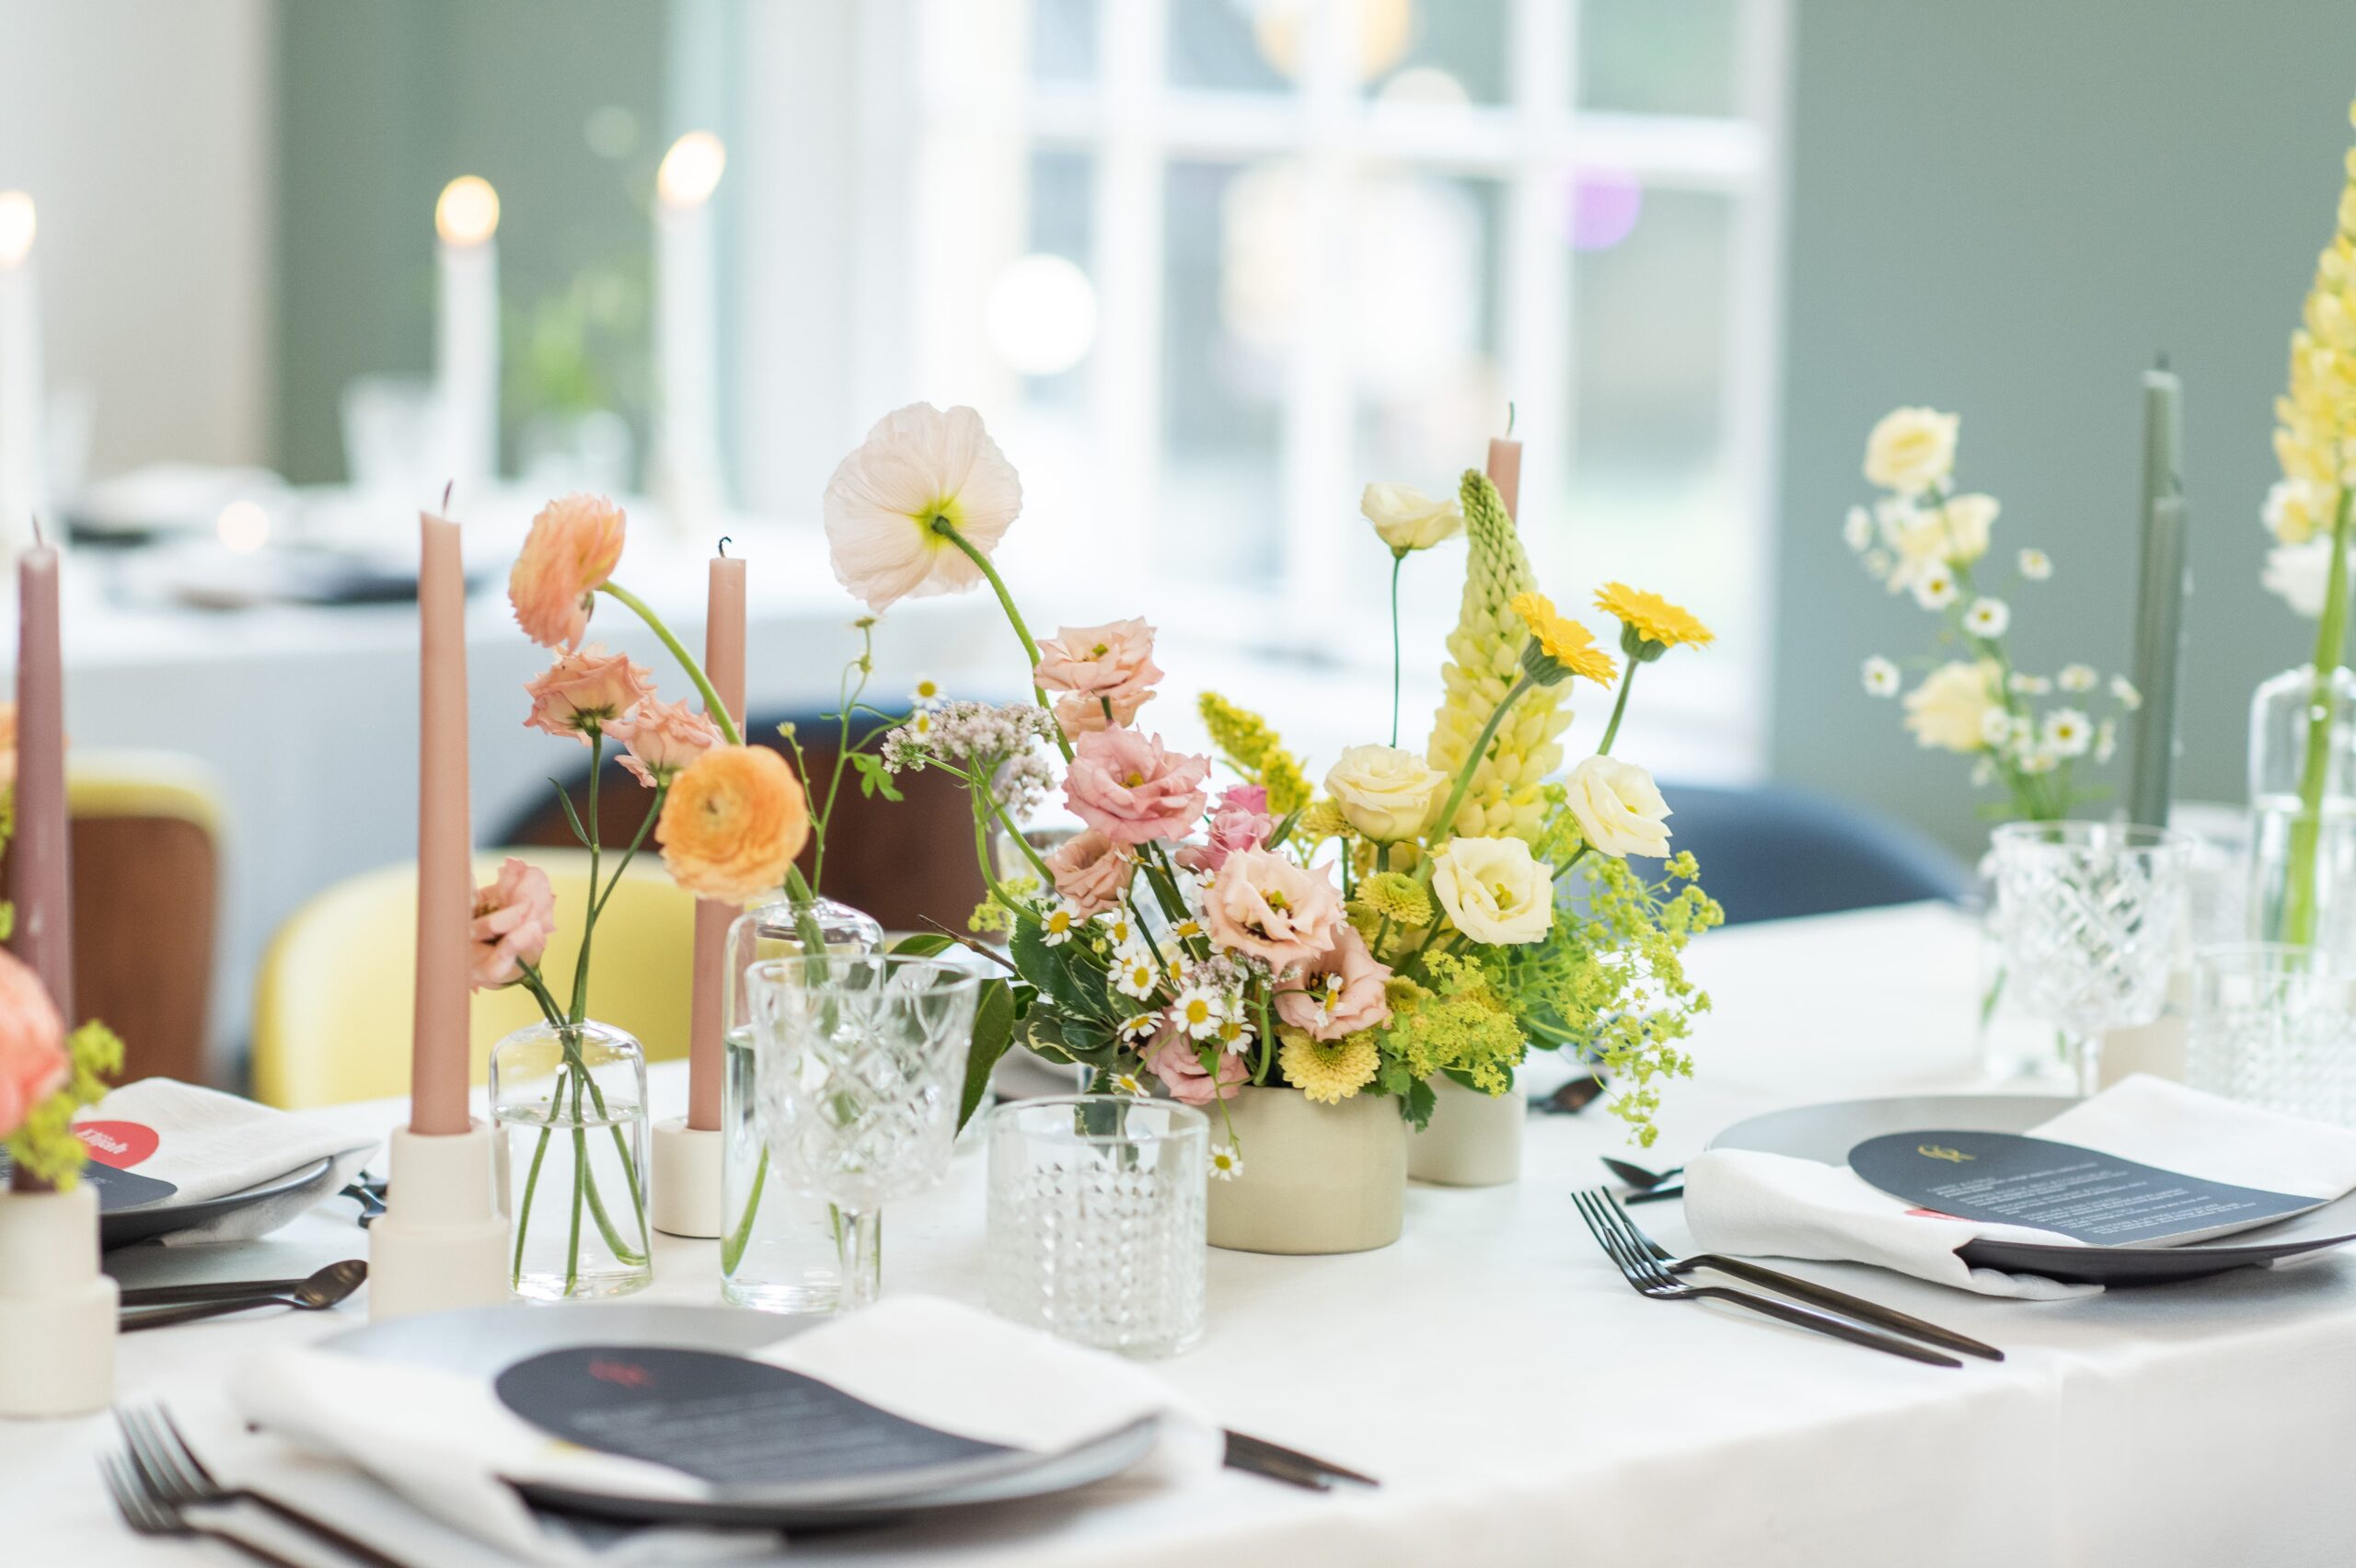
x: 1416, y: 1105
x: 1045, y: 967
x: 923, y: 944
x: 874, y: 779
x: 993, y: 1033
x: 570, y: 815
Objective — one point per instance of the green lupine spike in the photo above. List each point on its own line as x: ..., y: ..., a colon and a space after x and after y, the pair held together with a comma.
x: 1486, y: 651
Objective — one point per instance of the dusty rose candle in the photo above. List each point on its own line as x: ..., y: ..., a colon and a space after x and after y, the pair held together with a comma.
x: 1505, y: 472
x: 41, y: 874
x: 445, y: 851
x: 723, y: 664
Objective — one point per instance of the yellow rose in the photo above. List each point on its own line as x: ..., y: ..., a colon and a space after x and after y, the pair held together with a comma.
x: 1407, y: 518
x: 1912, y: 449
x: 1494, y: 889
x: 1386, y: 793
x: 1948, y: 710
x: 1619, y: 808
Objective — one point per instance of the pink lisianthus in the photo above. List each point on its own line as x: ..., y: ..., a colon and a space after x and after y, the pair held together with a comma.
x: 1125, y: 786
x: 1265, y: 906
x: 662, y: 738
x: 573, y: 548
x: 1077, y: 715
x: 1114, y: 660
x: 514, y: 917
x: 581, y: 693
x: 1240, y: 820
x: 1176, y: 1061
x: 1340, y: 991
x: 34, y: 1064
x: 1090, y: 870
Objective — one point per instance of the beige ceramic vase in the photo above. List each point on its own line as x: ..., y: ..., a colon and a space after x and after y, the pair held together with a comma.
x: 1472, y: 1140
x: 1316, y: 1178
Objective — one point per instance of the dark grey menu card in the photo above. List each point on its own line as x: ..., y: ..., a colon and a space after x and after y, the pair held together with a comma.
x: 2096, y: 1198
x: 724, y: 1419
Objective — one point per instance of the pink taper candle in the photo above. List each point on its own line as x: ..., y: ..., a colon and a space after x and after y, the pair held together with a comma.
x: 446, y: 880
x: 723, y: 664
x: 40, y: 870
x: 1505, y: 472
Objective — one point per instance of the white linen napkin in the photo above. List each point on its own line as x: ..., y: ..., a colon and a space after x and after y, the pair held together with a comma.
x: 209, y: 1144
x: 447, y: 1444
x: 1741, y: 1201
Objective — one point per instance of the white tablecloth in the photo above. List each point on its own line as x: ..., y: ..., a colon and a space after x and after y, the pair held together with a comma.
x: 1524, y: 1406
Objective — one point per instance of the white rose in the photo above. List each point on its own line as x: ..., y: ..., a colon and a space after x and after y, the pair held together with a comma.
x: 1912, y: 449
x: 1386, y: 793
x: 1948, y: 710
x: 1619, y: 808
x: 1494, y: 889
x: 1407, y: 518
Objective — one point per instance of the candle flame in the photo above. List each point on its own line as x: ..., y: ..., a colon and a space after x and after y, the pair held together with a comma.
x: 15, y: 226
x: 691, y: 169
x: 467, y: 212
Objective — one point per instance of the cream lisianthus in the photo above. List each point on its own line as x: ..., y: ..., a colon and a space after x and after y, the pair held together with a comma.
x: 1618, y: 807
x: 1494, y: 889
x: 898, y: 506
x: 1949, y: 709
x: 1911, y: 450
x: 1408, y: 519
x: 1384, y: 792
x: 1953, y: 533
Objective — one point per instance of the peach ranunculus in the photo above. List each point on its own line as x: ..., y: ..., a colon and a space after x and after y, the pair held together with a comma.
x: 1240, y: 820
x: 916, y: 468
x: 1127, y: 786
x: 1090, y: 870
x: 7, y: 744
x: 581, y: 693
x: 1264, y: 905
x: 1175, y: 1061
x: 514, y: 917
x: 573, y: 548
x: 1341, y: 990
x: 34, y: 1064
x: 735, y: 820
x: 662, y: 738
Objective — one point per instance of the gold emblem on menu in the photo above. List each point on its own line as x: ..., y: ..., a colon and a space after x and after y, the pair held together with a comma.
x: 1933, y: 1151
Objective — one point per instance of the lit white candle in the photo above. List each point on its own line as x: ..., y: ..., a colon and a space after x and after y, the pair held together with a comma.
x: 23, y: 477
x: 466, y: 342
x: 687, y: 441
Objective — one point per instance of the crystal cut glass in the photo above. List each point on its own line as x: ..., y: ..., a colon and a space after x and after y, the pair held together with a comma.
x: 2275, y: 1027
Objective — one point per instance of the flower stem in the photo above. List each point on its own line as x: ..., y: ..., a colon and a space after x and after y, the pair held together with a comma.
x: 948, y: 530
x: 715, y: 708
x: 1398, y: 559
x: 2299, y: 899
x: 1465, y: 775
x: 1619, y: 707
x: 589, y: 924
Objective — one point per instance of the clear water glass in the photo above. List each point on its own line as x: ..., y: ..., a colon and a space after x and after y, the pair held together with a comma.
x: 2275, y: 1026
x: 2088, y: 913
x: 569, y: 1104
x: 1096, y: 1220
x: 861, y: 1069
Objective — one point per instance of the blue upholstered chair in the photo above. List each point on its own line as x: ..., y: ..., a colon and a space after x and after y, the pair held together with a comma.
x: 1771, y: 851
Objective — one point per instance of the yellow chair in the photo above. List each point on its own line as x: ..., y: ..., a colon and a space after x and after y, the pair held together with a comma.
x: 333, y: 1006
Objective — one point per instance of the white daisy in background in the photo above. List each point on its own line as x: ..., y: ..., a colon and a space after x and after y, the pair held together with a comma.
x: 1135, y: 974
x: 2036, y: 565
x: 1226, y: 1164
x: 1126, y: 1083
x: 1144, y: 1026
x: 1057, y: 925
x: 2078, y: 677
x: 926, y: 695
x: 920, y: 723
x: 2106, y: 741
x: 1935, y: 589
x: 2068, y: 733
x: 2124, y: 690
x: 1198, y: 1011
x: 1881, y: 677
x: 1987, y: 618
x: 2036, y: 759
x: 2029, y: 684
x: 1857, y: 528
x: 1877, y: 564
x: 1186, y: 930
x: 1996, y: 727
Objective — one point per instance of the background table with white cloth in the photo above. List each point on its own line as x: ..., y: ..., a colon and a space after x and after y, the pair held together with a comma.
x: 1522, y: 1405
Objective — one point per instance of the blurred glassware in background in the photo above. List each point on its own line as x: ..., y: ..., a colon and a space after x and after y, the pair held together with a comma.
x: 2275, y: 1027
x: 391, y: 436
x: 2279, y: 729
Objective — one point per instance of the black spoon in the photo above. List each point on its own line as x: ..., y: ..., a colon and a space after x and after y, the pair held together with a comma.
x: 323, y: 1290
x: 1636, y: 1176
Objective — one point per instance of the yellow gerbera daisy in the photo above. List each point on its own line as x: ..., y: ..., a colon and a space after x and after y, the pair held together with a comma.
x: 1653, y: 618
x: 1562, y: 639
x: 1328, y: 1071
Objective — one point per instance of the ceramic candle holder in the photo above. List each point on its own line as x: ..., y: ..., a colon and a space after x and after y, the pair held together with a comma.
x: 683, y: 1194
x: 443, y: 1240
x: 57, y: 1311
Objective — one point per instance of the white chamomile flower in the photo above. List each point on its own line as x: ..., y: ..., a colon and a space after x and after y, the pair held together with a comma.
x: 1126, y: 1083
x: 1119, y: 928
x: 1996, y: 727
x: 1881, y: 677
x: 2036, y: 759
x: 926, y: 693
x: 1198, y: 1011
x: 1233, y: 1032
x: 1060, y: 922
x: 2078, y: 677
x: 1987, y: 617
x: 1935, y: 588
x: 1134, y: 974
x: 1186, y: 930
x: 2124, y: 690
x: 920, y: 723
x: 1226, y: 1163
x: 1141, y: 1028
x: 2068, y: 733
x: 1857, y: 528
x: 2029, y: 684
x: 2036, y: 565
x: 2106, y: 741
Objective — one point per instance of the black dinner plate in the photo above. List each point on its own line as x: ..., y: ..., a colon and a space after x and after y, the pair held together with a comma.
x: 1827, y: 1133
x: 144, y: 1222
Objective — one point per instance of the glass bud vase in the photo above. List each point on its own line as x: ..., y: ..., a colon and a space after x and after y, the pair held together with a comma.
x: 779, y: 1251
x: 2287, y: 902
x: 569, y: 1104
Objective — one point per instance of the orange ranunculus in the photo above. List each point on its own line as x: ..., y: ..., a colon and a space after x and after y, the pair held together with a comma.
x: 573, y: 548
x: 735, y: 819
x: 34, y: 1064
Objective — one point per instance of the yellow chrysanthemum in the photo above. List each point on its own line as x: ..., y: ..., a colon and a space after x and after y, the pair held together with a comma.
x: 1323, y: 819
x: 1395, y: 896
x: 1564, y: 641
x: 1328, y: 1071
x: 1653, y: 618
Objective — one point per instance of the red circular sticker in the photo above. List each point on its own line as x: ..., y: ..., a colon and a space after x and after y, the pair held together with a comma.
x: 120, y: 1143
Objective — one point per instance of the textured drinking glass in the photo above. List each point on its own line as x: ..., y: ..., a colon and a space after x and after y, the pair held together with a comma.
x: 1096, y: 1227
x: 861, y: 1068
x: 2088, y: 912
x: 2275, y: 1026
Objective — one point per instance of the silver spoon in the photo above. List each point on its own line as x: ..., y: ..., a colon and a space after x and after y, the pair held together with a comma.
x: 325, y: 1288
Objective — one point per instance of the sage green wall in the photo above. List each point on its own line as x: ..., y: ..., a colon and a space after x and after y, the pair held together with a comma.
x: 2002, y: 208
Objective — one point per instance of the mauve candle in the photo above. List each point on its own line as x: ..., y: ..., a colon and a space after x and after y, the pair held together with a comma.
x: 446, y: 877
x: 40, y: 872
x: 1505, y: 472
x: 723, y: 666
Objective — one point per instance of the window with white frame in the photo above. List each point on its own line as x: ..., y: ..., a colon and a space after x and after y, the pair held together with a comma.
x: 1212, y: 265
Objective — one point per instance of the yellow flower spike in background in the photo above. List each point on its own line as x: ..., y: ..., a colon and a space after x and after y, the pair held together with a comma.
x: 1563, y: 640
x: 1650, y: 625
